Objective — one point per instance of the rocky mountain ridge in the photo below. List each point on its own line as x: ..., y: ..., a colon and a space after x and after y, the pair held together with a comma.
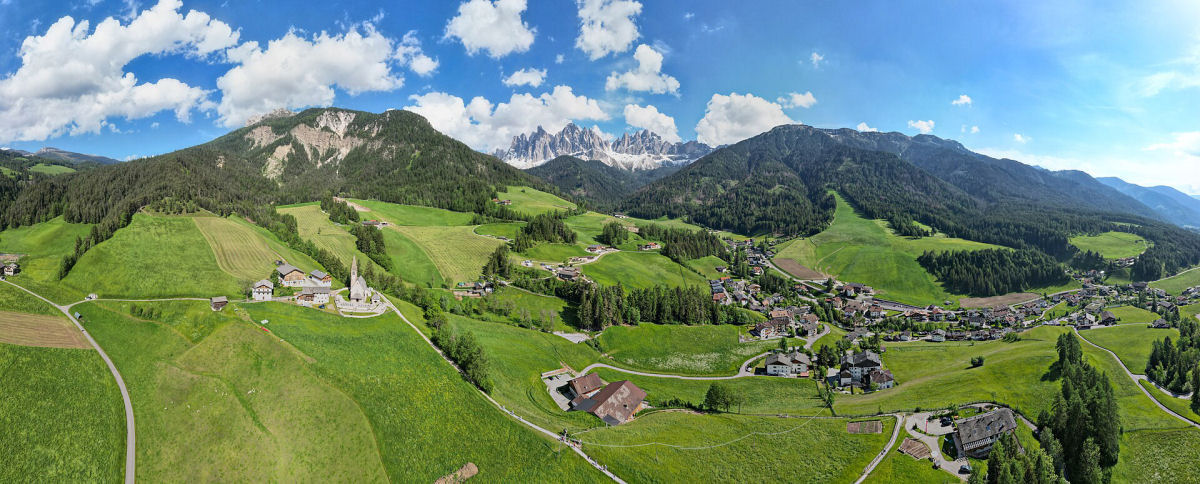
x: 642, y: 150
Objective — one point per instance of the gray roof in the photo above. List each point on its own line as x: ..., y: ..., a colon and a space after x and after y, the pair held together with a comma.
x: 264, y: 282
x: 315, y: 290
x: 318, y: 274
x: 285, y: 269
x: 864, y: 359
x: 986, y: 425
x: 219, y: 299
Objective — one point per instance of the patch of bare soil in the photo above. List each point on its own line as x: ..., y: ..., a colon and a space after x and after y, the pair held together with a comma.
x: 794, y: 268
x: 917, y: 449
x: 1004, y: 300
x: 865, y: 427
x: 39, y: 330
x: 466, y: 472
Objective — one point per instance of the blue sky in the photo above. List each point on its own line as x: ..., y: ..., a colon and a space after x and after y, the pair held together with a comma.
x: 1111, y: 89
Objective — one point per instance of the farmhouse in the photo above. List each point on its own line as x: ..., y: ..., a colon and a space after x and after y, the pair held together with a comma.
x: 218, y: 303
x: 11, y: 269
x: 320, y: 278
x: 311, y: 295
x: 975, y: 435
x: 290, y: 276
x: 650, y: 246
x: 771, y: 329
x: 568, y: 273
x: 882, y: 379
x: 584, y: 386
x: 788, y: 364
x: 1107, y: 317
x: 615, y: 404
x: 861, y: 364
x: 262, y: 290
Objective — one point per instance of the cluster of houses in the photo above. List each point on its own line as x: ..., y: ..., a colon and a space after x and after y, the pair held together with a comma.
x: 787, y: 321
x: 863, y: 369
x: 650, y: 246
x: 614, y: 403
x: 314, y: 286
x: 476, y: 289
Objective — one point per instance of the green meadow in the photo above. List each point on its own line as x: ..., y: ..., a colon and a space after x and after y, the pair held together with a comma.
x: 1112, y: 245
x: 62, y: 416
x: 1181, y: 406
x: 399, y: 214
x: 764, y: 395
x: 1131, y: 315
x: 154, y: 256
x: 240, y: 251
x: 685, y: 447
x: 1131, y: 342
x: 1179, y: 282
x: 1153, y: 456
x: 640, y: 270
x: 515, y: 299
x: 898, y: 468
x: 707, y: 266
x: 861, y: 250
x: 507, y: 230
x: 410, y: 261
x: 458, y: 252
x: 44, y: 245
x: 531, y: 201
x: 548, y: 252
x: 709, y: 350
x: 51, y: 169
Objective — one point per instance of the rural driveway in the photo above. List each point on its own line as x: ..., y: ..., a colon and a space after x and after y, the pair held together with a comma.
x: 930, y: 439
x: 1135, y: 379
x: 879, y: 458
x: 129, y: 427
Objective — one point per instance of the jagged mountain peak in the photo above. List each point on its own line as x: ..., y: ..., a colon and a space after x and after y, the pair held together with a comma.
x: 641, y: 150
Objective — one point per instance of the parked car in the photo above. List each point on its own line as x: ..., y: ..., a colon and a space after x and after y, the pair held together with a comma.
x: 965, y: 469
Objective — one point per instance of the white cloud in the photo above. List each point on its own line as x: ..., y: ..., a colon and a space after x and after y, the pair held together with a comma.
x: 1185, y: 144
x: 558, y: 59
x: 295, y: 72
x: 485, y: 126
x: 409, y: 53
x: 1184, y: 74
x: 925, y: 127
x: 72, y: 81
x: 649, y: 118
x: 866, y: 129
x: 963, y: 100
x: 969, y: 129
x: 526, y: 77
x: 795, y: 100
x: 647, y: 76
x: 816, y: 59
x: 732, y: 118
x: 495, y: 27
x: 606, y: 26
x: 688, y: 15
x: 1018, y: 137
x: 974, y: 129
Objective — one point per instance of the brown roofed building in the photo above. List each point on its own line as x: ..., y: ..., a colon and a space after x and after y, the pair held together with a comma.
x: 616, y: 403
x: 585, y: 384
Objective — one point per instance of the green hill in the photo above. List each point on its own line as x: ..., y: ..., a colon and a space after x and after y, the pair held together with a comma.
x: 640, y: 270
x: 1112, y: 245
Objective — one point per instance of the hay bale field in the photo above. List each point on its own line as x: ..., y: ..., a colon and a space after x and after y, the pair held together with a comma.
x: 26, y: 329
x: 240, y: 251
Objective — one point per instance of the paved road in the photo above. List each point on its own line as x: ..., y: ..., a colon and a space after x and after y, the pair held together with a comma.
x: 930, y: 439
x: 879, y: 458
x: 1135, y: 379
x: 510, y: 413
x: 129, y: 427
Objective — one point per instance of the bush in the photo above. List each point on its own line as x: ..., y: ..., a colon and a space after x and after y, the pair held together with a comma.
x: 976, y: 362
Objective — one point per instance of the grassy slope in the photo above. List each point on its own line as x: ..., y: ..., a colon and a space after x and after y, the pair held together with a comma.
x: 1130, y: 314
x: 1111, y: 245
x: 691, y: 350
x: 1176, y: 284
x: 508, y: 230
x: 217, y: 399
x: 409, y: 260
x: 809, y: 451
x: 531, y: 202
x: 458, y: 252
x: 51, y: 169
x: 44, y: 246
x: 707, y: 265
x: 861, y: 250
x: 1181, y: 406
x: 554, y: 252
x: 240, y: 251
x: 764, y: 394
x: 427, y: 421
x: 1130, y: 342
x: 640, y: 270
x: 62, y: 416
x: 899, y: 468
x: 1158, y: 456
x: 411, y: 214
x: 314, y: 225
x: 536, y: 304
x: 153, y: 257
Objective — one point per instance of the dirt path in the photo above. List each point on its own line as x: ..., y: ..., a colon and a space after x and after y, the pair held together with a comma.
x: 130, y: 454
x: 882, y: 454
x: 743, y: 372
x: 1136, y: 378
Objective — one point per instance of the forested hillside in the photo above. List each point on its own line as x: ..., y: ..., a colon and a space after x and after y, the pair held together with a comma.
x: 600, y: 185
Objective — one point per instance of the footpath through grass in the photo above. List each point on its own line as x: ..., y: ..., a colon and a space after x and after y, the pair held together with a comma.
x: 861, y: 250
x: 898, y: 468
x: 1112, y: 245
x: 240, y: 251
x: 710, y: 350
x: 1179, y: 282
x: 640, y: 270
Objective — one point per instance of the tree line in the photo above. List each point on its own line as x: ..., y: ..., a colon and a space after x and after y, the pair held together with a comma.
x: 1175, y: 365
x: 992, y: 272
x: 682, y: 244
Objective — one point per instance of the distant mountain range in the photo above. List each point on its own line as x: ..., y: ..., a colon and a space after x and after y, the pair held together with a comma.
x: 642, y: 150
x: 64, y: 155
x: 1171, y: 204
x: 600, y: 185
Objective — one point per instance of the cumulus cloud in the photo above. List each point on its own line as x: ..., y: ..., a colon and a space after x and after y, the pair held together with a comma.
x: 925, y: 127
x: 796, y: 100
x: 650, y: 119
x: 409, y: 53
x: 606, y: 26
x: 1184, y: 144
x: 297, y: 72
x: 526, y: 77
x: 72, y: 79
x: 558, y: 59
x: 969, y: 129
x: 647, y: 76
x: 866, y: 129
x: 485, y: 126
x: 495, y: 27
x: 963, y: 100
x: 816, y: 59
x: 732, y: 118
x: 1018, y: 137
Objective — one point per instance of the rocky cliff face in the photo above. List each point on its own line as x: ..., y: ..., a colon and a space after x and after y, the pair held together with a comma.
x: 642, y: 150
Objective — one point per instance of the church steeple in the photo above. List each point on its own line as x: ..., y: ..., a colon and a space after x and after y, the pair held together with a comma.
x: 354, y: 270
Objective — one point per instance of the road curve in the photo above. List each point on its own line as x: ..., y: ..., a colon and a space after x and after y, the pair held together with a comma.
x: 879, y: 458
x: 1135, y: 379
x: 510, y: 413
x: 130, y: 443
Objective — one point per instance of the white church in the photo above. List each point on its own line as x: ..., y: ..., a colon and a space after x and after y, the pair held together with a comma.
x: 361, y: 297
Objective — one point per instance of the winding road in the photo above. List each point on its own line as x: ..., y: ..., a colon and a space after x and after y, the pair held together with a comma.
x: 129, y: 427
x: 1136, y: 378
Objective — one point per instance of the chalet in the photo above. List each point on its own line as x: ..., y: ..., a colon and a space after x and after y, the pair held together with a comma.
x: 756, y: 270
x: 719, y: 297
x: 788, y: 364
x: 975, y: 435
x: 320, y: 278
x: 855, y: 335
x: 808, y: 319
x: 311, y: 295
x: 957, y: 336
x: 853, y: 289
x: 371, y: 223
x: 1160, y: 324
x: 853, y: 308
x: 779, y: 313
x: 584, y: 386
x: 568, y: 273
x: 882, y: 379
x: 650, y: 246
x: 595, y: 249
x: 721, y: 269
x: 1107, y: 317
x: 1139, y: 286
x: 262, y: 290
x: 501, y: 202
x: 290, y: 276
x: 771, y: 329
x: 615, y: 404
x: 875, y: 311
x: 810, y: 328
x: 218, y: 303
x: 11, y: 269
x: 861, y: 364
x: 1094, y: 307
